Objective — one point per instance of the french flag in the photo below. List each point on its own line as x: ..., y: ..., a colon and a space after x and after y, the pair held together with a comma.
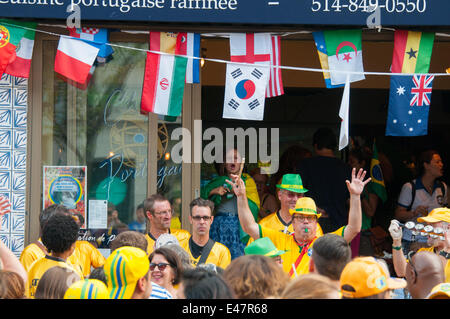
x: 74, y: 59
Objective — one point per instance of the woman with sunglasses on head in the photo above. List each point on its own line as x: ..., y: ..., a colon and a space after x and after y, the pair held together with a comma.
x: 166, y: 269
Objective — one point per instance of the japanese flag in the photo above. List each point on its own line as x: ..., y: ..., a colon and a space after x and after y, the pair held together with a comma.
x: 245, y: 91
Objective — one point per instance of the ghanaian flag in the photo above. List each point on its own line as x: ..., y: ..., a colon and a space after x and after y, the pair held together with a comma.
x: 412, y: 51
x: 377, y: 176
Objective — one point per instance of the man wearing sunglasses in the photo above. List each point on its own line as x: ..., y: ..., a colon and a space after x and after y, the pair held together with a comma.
x: 200, y: 246
x: 158, y: 212
x: 304, y: 222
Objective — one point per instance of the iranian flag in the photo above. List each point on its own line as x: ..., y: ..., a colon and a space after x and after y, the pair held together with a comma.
x: 344, y: 54
x: 10, y: 36
x: 163, y: 88
x: 20, y: 67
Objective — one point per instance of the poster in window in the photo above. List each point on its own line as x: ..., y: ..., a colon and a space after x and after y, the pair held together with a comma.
x: 66, y: 185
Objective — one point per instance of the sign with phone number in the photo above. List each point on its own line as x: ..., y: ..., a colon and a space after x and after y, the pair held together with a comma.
x: 259, y: 12
x: 390, y: 6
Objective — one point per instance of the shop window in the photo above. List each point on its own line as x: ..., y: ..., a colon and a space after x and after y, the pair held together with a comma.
x: 99, y: 132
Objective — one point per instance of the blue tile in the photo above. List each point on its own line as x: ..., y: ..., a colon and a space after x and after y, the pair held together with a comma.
x: 17, y: 243
x: 20, y: 118
x: 5, y: 118
x: 6, y: 238
x: 5, y: 180
x: 17, y: 222
x: 5, y: 139
x: 5, y: 223
x: 20, y: 97
x: 6, y: 80
x: 18, y: 201
x: 20, y: 82
x: 18, y: 181
x: 20, y: 139
x: 19, y: 160
x: 5, y: 159
x: 5, y: 96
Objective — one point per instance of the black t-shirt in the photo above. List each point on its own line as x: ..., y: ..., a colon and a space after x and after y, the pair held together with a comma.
x: 324, y: 177
x: 196, y: 250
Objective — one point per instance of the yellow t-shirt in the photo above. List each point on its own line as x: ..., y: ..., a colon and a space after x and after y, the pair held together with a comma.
x: 447, y: 266
x: 84, y: 256
x: 219, y: 255
x: 274, y: 221
x: 286, y: 242
x: 40, y: 266
x: 181, y: 234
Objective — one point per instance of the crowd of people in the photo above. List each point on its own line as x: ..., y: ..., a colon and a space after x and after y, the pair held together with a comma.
x: 302, y: 241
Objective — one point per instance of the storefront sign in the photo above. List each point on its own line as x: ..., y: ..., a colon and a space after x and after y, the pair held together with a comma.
x: 282, y: 12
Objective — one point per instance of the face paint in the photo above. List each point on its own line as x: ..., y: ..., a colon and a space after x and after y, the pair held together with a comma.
x: 306, y: 230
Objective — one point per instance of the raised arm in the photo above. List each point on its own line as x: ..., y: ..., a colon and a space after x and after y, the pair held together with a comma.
x: 8, y: 260
x: 355, y: 188
x: 246, y: 218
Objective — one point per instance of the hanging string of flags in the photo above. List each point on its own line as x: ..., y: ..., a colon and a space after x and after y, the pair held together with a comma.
x: 252, y: 74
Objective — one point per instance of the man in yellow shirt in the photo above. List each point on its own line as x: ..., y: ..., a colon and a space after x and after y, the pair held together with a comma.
x: 58, y: 236
x: 304, y: 222
x: 290, y: 190
x: 438, y: 218
x: 85, y: 254
x: 158, y: 212
x: 201, y: 248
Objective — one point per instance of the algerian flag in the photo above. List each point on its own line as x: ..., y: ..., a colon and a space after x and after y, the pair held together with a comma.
x: 343, y: 114
x: 344, y: 54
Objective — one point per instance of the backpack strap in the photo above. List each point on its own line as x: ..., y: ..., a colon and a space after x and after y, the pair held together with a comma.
x: 205, y: 252
x: 413, y: 194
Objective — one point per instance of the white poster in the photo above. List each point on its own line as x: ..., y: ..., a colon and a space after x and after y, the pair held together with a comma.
x: 98, y: 214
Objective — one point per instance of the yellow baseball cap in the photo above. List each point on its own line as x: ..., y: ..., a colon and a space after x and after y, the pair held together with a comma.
x: 441, y: 214
x: 441, y: 291
x: 87, y: 289
x: 306, y: 206
x: 364, y: 277
x: 123, y: 268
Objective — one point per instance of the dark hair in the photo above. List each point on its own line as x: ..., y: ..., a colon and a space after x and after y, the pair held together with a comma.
x: 200, y: 283
x: 51, y: 210
x: 330, y: 254
x: 201, y: 203
x: 149, y: 203
x: 424, y: 157
x: 99, y: 274
x: 324, y: 137
x: 172, y: 258
x: 55, y: 282
x: 60, y: 233
x: 361, y: 155
x: 129, y: 238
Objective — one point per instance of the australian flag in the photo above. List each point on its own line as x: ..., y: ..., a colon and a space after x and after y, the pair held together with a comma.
x: 409, y: 104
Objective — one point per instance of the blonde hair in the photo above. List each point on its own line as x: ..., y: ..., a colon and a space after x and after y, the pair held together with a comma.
x: 255, y: 277
x: 12, y: 285
x: 310, y: 286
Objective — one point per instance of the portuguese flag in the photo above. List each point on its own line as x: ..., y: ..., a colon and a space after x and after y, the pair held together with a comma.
x: 10, y: 36
x: 412, y: 51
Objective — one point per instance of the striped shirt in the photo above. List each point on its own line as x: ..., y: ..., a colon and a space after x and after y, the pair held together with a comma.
x: 159, y: 292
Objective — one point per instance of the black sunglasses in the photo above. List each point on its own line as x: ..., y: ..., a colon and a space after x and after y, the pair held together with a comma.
x: 161, y: 266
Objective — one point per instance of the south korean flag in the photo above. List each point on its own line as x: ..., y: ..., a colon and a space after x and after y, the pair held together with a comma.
x: 245, y: 91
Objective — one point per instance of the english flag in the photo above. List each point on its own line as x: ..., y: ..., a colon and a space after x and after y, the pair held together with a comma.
x: 275, y: 86
x: 74, y: 59
x: 250, y: 47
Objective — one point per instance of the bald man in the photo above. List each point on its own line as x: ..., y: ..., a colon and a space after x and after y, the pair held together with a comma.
x: 423, y: 272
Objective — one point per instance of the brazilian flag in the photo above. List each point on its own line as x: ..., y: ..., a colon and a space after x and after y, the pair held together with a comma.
x: 377, y: 176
